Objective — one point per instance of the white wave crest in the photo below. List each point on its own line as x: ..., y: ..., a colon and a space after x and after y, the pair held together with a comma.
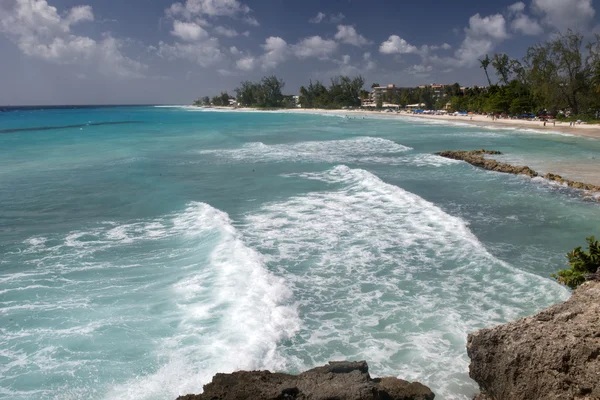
x: 182, y: 296
x: 332, y: 151
x: 384, y: 275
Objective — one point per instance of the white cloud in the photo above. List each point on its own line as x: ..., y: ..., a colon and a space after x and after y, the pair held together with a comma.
x: 40, y: 31
x: 234, y: 50
x: 493, y: 26
x: 517, y: 7
x: 276, y: 52
x: 188, y: 31
x: 251, y: 21
x: 525, y: 25
x: 79, y: 14
x: 212, y: 8
x: 246, y: 63
x: 446, y: 46
x: 419, y: 70
x: 396, y: 45
x: 347, y: 34
x: 314, y: 46
x: 317, y: 18
x: 565, y: 14
x: 347, y: 68
x: 482, y: 35
x: 223, y: 31
x: 204, y: 53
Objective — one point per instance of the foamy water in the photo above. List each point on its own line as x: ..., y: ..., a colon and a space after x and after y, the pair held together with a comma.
x: 199, y: 242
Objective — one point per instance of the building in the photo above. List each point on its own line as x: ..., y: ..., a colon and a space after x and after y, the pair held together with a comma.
x: 381, y: 92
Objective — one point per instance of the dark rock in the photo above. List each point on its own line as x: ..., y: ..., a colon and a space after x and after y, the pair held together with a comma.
x: 476, y: 158
x: 554, y: 355
x: 335, y: 381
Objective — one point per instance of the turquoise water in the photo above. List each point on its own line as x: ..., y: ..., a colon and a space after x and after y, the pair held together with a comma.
x: 140, y: 258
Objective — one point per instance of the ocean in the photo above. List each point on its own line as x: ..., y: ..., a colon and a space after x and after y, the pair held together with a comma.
x: 144, y: 249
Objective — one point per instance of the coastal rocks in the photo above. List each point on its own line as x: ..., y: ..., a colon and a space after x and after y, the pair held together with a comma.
x: 476, y: 158
x: 554, y: 355
x: 335, y: 381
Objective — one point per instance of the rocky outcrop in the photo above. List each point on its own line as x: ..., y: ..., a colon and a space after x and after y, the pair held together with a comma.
x: 476, y: 158
x: 554, y: 355
x: 335, y: 381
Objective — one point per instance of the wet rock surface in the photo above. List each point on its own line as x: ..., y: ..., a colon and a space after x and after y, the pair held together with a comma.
x: 476, y: 158
x: 335, y: 381
x: 553, y: 355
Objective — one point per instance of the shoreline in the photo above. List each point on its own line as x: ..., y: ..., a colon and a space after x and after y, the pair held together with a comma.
x: 561, y: 128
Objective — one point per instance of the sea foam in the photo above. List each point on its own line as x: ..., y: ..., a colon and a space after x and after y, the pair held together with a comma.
x: 384, y: 275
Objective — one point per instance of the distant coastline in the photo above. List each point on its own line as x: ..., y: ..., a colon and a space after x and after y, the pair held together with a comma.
x: 584, y: 130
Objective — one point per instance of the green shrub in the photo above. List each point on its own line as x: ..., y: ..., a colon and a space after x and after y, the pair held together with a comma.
x: 582, y: 263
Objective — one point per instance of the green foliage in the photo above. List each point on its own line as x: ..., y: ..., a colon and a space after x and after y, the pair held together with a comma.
x: 343, y: 92
x: 581, y: 264
x: 264, y: 94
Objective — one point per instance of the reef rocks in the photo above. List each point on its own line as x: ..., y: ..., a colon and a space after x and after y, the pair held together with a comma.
x: 335, y: 381
x: 476, y: 158
x: 554, y: 355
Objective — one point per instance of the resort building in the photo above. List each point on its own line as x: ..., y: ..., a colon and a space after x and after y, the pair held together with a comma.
x: 378, y: 92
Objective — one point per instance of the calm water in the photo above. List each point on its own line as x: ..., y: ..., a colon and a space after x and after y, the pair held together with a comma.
x: 140, y: 257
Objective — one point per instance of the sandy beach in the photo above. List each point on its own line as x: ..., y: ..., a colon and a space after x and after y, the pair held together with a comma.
x: 592, y: 131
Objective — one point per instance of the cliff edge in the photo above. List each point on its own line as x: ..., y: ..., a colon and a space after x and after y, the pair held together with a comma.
x: 553, y: 355
x: 337, y: 380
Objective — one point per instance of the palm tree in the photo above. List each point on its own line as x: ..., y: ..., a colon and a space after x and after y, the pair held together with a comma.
x: 485, y: 63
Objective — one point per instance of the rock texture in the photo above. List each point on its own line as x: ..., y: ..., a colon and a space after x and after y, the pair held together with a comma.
x: 554, y: 355
x: 476, y: 158
x: 335, y: 381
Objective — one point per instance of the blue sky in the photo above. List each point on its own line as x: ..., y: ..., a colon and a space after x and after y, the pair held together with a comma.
x: 170, y: 52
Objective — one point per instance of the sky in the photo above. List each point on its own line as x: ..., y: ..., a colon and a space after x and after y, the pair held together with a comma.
x: 172, y: 52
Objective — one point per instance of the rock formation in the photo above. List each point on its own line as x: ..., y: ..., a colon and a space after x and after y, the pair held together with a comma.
x: 554, y: 355
x: 335, y: 381
x: 476, y: 158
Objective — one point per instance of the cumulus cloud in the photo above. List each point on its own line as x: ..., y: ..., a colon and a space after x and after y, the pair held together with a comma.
x: 493, y: 26
x: 482, y: 35
x: 517, y: 7
x: 521, y: 22
x: 314, y: 46
x: 276, y: 52
x: 246, y: 63
x: 347, y: 68
x: 565, y: 14
x: 204, y: 53
x: 188, y: 31
x: 211, y: 8
x: 525, y: 25
x: 317, y: 18
x: 396, y: 45
x: 40, y: 31
x: 223, y: 31
x: 347, y: 34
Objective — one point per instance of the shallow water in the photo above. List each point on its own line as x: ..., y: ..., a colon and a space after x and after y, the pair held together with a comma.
x: 139, y: 259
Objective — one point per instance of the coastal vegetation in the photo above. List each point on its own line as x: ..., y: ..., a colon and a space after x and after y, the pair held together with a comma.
x: 582, y: 265
x: 342, y: 92
x: 561, y: 74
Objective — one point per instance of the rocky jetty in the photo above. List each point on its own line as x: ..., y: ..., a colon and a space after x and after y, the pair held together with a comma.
x: 554, y: 355
x: 477, y: 158
x: 335, y: 381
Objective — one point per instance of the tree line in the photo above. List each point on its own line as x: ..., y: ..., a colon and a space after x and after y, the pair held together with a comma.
x: 343, y: 91
x: 562, y: 74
